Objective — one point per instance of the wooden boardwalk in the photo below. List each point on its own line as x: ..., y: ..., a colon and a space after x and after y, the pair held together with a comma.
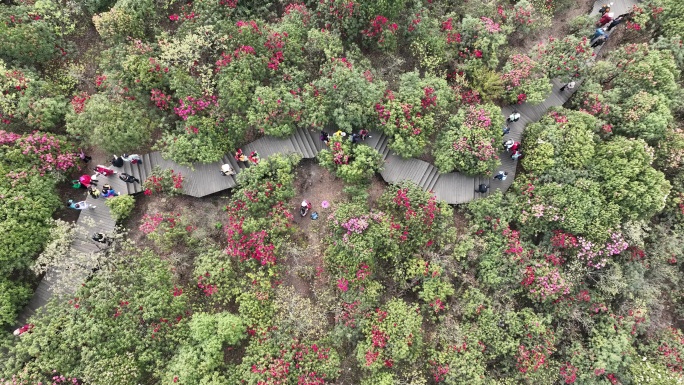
x: 205, y: 179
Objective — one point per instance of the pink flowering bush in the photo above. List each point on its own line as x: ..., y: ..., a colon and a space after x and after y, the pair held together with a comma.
x: 470, y: 143
x: 524, y: 80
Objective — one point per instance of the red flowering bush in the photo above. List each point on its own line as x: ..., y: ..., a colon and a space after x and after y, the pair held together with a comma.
x: 382, y: 33
x: 408, y: 116
x: 392, y: 335
x: 163, y: 181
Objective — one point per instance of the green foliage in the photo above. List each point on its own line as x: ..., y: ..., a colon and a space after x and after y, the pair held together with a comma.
x: 13, y: 295
x: 523, y: 76
x: 199, y: 139
x: 623, y: 167
x: 393, y: 336
x: 202, y: 358
x: 120, y: 206
x: 641, y: 115
x: 469, y: 142
x: 487, y: 83
x: 126, y: 319
x: 345, y: 96
x: 671, y: 18
x: 266, y: 184
x: 564, y: 58
x: 408, y: 116
x: 118, y: 126
x: 275, y: 111
x: 352, y: 162
x: 27, y: 39
x: 126, y: 18
x: 42, y: 107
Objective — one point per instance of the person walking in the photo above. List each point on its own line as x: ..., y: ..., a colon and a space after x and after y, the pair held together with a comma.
x: 85, y: 158
x: 514, y: 147
x: 568, y: 86
x: 507, y: 144
x: 482, y: 188
x: 605, y: 8
x: 102, y: 170
x: 506, y: 129
x: 605, y: 19
x: 513, y: 117
x: 227, y: 170
x: 133, y: 158
x: 82, y: 205
x: 502, y: 175
x: 128, y: 178
x: 516, y: 155
x: 599, y: 41
x: 355, y: 138
x: 364, y: 134
x: 619, y: 20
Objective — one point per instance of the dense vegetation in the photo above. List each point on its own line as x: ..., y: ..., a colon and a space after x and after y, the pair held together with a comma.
x: 572, y: 276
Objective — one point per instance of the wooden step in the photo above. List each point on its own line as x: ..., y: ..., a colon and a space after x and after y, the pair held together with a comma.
x: 433, y: 180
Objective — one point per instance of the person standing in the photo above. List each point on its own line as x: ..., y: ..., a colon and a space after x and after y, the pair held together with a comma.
x: 502, y: 175
x: 568, y: 86
x: 85, y: 158
x: 605, y: 8
x: 364, y: 134
x: 516, y: 155
x: 325, y: 138
x: 605, y: 19
x: 507, y: 144
x: 482, y: 188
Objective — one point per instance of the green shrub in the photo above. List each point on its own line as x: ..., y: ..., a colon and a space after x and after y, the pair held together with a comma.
x: 121, y: 206
x: 353, y: 163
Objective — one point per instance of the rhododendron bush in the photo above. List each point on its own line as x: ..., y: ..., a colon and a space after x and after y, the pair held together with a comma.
x: 408, y: 115
x: 470, y: 141
x: 523, y: 76
x: 355, y: 163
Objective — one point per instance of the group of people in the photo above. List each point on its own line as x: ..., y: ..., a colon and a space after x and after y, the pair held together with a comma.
x: 253, y: 157
x: 606, y: 23
x: 354, y: 137
x: 510, y: 145
x: 118, y: 161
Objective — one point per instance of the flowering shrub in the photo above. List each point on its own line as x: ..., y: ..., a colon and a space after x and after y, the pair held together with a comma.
x: 272, y: 360
x: 392, y: 336
x: 526, y: 18
x: 523, y: 76
x: 163, y: 181
x: 382, y: 33
x: 564, y: 58
x: 353, y: 162
x: 344, y: 95
x: 470, y: 141
x: 408, y: 116
x: 276, y: 111
x: 120, y: 206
